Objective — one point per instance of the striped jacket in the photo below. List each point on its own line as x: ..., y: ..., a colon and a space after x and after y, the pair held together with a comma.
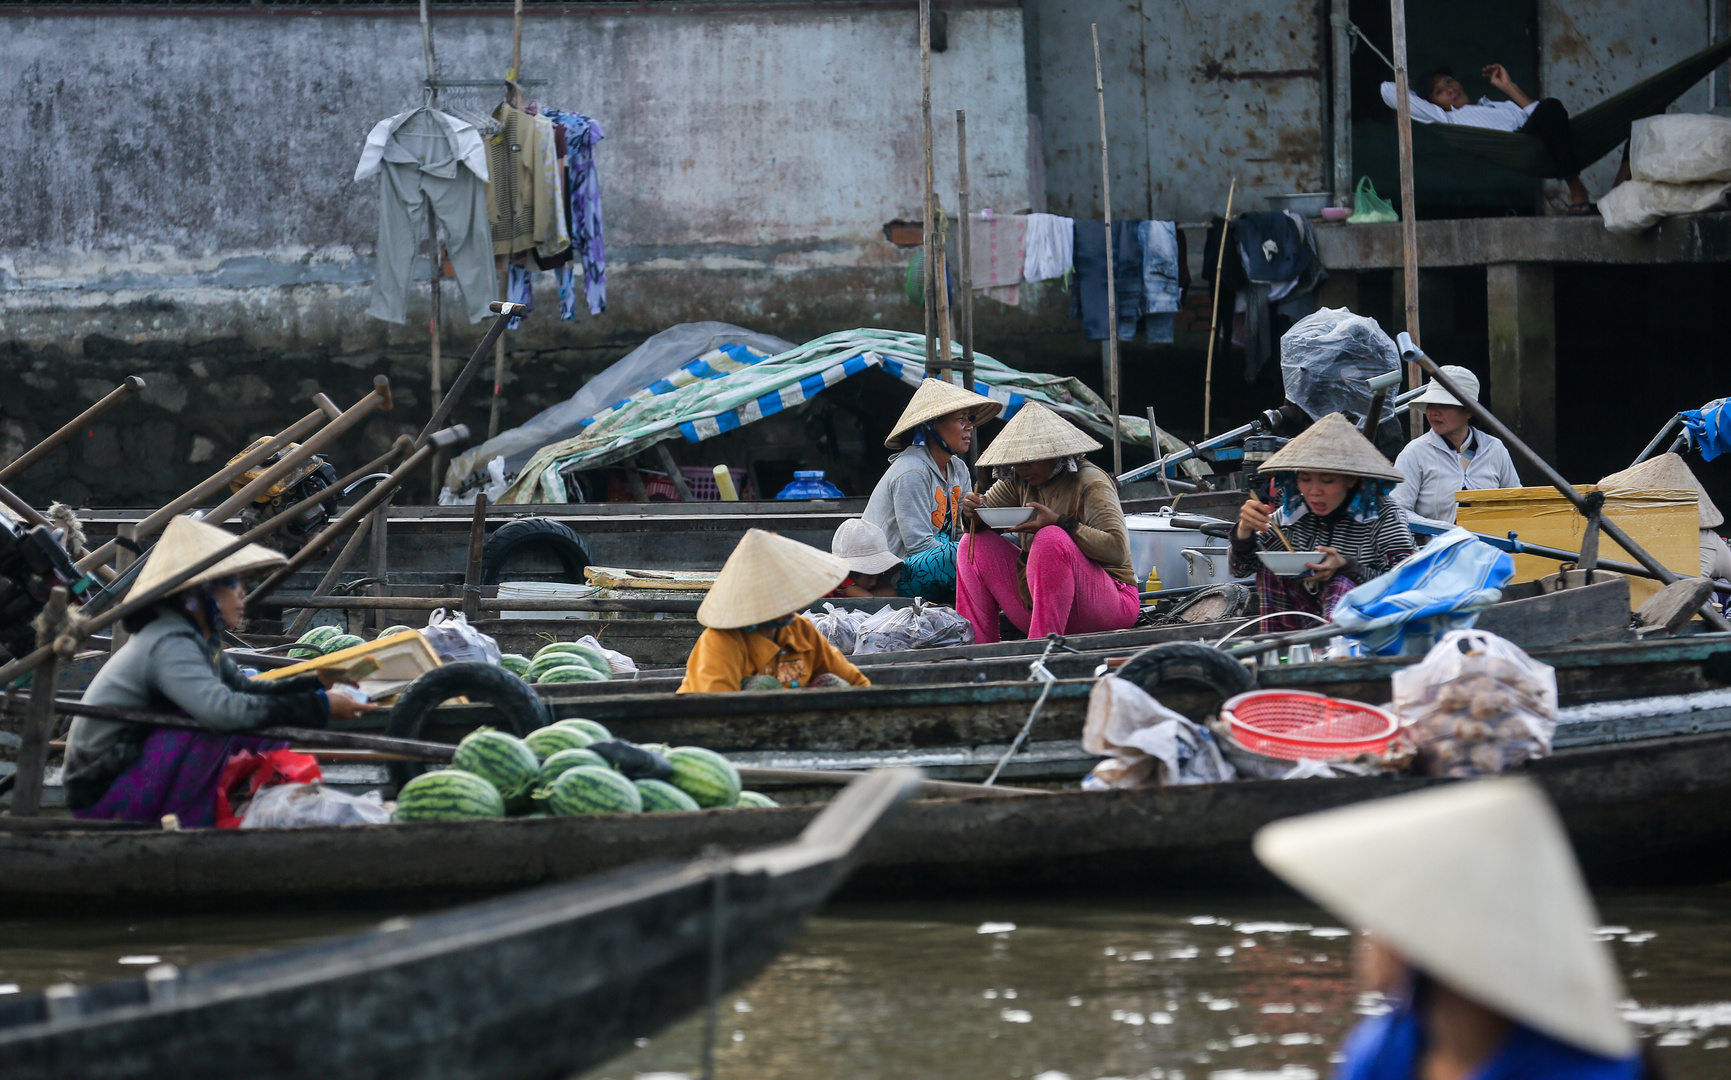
x: 1371, y: 547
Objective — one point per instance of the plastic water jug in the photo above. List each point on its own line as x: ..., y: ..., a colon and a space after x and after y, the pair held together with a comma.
x: 809, y: 484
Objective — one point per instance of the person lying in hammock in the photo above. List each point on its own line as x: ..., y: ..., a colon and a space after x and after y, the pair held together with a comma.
x: 1445, y: 101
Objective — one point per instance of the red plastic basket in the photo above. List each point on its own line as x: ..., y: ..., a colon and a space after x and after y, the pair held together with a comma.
x: 1295, y: 724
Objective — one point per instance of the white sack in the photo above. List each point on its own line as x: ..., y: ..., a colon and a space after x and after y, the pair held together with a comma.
x: 1637, y: 205
x: 1683, y: 148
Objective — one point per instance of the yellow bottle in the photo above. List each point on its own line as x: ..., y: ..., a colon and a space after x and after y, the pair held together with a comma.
x: 1153, y: 580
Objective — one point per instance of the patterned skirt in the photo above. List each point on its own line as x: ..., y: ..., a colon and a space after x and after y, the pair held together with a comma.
x: 176, y: 773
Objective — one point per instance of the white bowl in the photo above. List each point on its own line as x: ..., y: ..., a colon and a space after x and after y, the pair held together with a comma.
x: 1289, y: 563
x: 1005, y: 517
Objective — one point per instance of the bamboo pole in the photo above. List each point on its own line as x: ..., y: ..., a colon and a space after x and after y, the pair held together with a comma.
x: 1214, y: 319
x: 132, y: 385
x: 1408, y: 215
x: 1112, y: 379
x: 928, y: 216
x: 966, y: 250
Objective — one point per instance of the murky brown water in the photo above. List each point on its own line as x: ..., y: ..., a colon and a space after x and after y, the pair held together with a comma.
x: 1169, y: 989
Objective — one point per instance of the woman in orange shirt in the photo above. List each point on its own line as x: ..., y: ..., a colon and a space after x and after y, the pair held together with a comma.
x: 754, y: 637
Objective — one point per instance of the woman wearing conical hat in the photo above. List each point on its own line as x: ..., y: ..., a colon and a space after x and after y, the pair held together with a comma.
x: 1072, y: 573
x: 1671, y: 472
x: 1476, y: 924
x: 916, y: 501
x: 173, y: 662
x: 1330, y: 493
x: 755, y: 638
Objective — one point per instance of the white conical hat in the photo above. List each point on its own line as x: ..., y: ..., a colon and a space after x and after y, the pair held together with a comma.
x: 1475, y: 884
x: 1332, y: 445
x: 768, y: 576
x: 186, y: 542
x: 936, y: 398
x: 1036, y: 433
x: 1667, y: 472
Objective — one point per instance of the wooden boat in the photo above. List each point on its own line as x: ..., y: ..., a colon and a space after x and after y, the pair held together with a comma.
x: 1640, y: 812
x: 543, y: 984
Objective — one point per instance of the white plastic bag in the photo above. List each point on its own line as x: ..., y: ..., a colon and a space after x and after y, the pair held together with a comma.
x: 1680, y: 148
x: 286, y: 806
x: 1476, y: 704
x: 918, y: 626
x: 1637, y: 205
x: 451, y: 636
x: 1327, y: 356
x: 618, y: 661
x: 839, y: 625
x: 1144, y: 741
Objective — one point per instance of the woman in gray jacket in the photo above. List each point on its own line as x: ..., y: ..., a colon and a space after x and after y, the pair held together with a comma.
x: 917, y: 504
x: 173, y: 662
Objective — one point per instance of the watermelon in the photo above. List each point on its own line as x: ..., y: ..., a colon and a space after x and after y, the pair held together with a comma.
x: 448, y: 795
x: 587, y: 654
x: 761, y: 682
x: 516, y: 664
x: 502, y: 759
x: 589, y: 790
x: 543, y: 664
x: 571, y: 673
x: 556, y: 764
x: 392, y: 631
x: 548, y: 741
x: 318, y: 635
x: 340, y: 642
x: 754, y: 800
x: 304, y: 652
x: 704, y: 775
x: 595, y: 731
x: 660, y: 796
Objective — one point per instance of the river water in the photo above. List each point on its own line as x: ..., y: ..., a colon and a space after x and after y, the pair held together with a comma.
x: 1167, y: 989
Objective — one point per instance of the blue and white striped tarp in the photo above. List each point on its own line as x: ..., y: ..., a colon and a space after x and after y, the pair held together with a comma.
x: 713, y: 364
x: 769, y: 404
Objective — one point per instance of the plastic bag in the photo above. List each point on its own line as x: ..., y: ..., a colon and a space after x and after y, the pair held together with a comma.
x: 1637, y: 205
x: 451, y: 636
x: 618, y: 661
x: 249, y: 771
x: 918, y: 626
x: 1476, y: 705
x: 1327, y: 356
x: 839, y: 625
x: 290, y: 805
x: 1146, y: 741
x: 1367, y: 207
x: 1680, y: 148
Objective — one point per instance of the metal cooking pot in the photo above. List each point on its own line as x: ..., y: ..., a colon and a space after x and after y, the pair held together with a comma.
x: 1207, y: 566
x: 1157, y: 541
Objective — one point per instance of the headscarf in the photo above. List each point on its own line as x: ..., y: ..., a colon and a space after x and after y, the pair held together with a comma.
x: 1363, y: 503
x: 1059, y: 465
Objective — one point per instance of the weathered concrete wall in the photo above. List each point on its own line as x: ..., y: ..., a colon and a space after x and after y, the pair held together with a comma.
x: 1196, y: 93
x: 175, y: 181
x: 1590, y: 51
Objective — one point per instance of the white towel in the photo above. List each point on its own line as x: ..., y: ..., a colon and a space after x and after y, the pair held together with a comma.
x: 1051, y: 247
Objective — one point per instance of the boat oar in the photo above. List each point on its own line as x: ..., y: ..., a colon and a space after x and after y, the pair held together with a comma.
x: 126, y: 389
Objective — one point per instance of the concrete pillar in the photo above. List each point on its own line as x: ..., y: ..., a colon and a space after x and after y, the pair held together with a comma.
x: 1523, y: 349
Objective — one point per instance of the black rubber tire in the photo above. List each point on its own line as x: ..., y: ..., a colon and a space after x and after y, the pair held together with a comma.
x: 514, y: 536
x: 519, y: 706
x: 1163, y: 666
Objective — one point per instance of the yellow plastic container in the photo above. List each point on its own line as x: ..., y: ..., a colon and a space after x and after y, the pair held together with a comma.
x: 1664, y: 522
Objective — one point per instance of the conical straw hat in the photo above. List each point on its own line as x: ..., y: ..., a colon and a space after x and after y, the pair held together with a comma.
x: 766, y: 577
x: 186, y: 542
x: 1667, y: 472
x: 1332, y: 445
x: 1036, y: 433
x: 1475, y: 884
x: 936, y: 398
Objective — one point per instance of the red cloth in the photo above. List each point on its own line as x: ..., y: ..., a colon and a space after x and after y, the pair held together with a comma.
x: 1072, y: 593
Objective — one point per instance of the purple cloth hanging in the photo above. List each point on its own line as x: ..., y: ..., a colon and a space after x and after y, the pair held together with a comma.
x: 584, y: 222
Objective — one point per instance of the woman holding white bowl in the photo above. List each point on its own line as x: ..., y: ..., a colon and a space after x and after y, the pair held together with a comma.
x: 1072, y: 573
x: 1331, y: 496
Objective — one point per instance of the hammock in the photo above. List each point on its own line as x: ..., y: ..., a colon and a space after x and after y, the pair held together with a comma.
x: 1597, y: 131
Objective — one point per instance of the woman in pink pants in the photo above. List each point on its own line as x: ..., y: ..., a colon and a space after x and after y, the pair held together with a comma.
x: 1071, y: 572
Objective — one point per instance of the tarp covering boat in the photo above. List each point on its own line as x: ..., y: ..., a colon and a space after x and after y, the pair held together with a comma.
x: 706, y: 399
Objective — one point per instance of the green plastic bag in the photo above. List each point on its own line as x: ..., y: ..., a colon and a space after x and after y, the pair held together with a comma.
x: 1368, y: 207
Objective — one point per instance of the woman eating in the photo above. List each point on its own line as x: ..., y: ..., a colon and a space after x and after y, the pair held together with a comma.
x: 1477, y: 930
x: 755, y: 637
x: 1072, y: 573
x: 173, y: 662
x: 1331, y: 495
x: 916, y: 504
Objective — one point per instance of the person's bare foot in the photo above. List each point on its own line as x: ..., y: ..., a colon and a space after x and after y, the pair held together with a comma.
x: 1580, y: 203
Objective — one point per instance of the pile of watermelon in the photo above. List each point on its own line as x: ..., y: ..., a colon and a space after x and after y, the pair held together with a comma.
x: 322, y: 641
x: 552, y: 772
x: 560, y: 662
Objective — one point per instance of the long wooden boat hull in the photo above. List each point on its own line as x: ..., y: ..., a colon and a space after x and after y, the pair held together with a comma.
x: 532, y: 987
x: 1640, y: 812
